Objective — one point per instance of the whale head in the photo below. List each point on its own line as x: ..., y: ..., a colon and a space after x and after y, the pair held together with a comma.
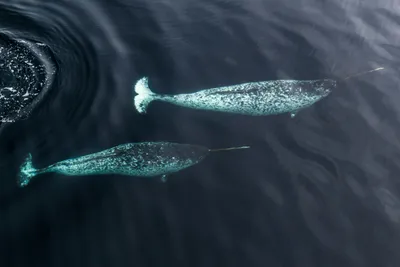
x: 322, y: 88
x: 191, y: 153
x: 310, y: 89
x: 301, y: 94
x: 172, y: 157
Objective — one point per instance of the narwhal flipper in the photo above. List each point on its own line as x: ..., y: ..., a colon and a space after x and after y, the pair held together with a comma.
x: 164, y: 178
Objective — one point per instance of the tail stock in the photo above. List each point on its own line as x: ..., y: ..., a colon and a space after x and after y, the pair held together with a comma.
x: 144, y: 95
x: 362, y: 73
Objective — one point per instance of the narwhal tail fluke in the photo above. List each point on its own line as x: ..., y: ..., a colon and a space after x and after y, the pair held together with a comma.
x: 229, y: 148
x: 144, y: 95
x: 27, y: 172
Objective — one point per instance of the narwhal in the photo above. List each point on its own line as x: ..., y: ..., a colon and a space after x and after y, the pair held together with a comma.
x: 253, y: 98
x: 145, y: 159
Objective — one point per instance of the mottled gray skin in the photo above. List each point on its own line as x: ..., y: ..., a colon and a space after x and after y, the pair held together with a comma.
x: 256, y: 98
x: 145, y: 159
x: 260, y: 98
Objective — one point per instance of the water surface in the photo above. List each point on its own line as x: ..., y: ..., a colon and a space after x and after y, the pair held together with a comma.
x: 317, y: 190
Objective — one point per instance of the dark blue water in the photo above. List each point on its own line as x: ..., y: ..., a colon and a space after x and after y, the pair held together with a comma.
x: 317, y: 190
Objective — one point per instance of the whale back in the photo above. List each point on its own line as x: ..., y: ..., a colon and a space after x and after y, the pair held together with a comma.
x: 134, y: 159
x: 319, y: 88
x: 258, y: 98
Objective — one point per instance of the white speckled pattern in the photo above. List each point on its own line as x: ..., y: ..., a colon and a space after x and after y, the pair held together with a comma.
x: 145, y: 159
x: 256, y: 98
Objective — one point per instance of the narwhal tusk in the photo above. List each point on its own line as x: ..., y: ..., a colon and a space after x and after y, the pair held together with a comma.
x: 229, y: 148
x: 364, y: 72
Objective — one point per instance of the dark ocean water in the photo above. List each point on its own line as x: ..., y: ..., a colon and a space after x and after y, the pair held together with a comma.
x: 317, y: 190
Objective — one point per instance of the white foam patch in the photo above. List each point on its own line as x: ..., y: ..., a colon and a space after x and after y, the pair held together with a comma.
x: 26, y: 73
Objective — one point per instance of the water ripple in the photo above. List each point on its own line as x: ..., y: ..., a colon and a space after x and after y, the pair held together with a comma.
x: 26, y: 71
x: 70, y: 59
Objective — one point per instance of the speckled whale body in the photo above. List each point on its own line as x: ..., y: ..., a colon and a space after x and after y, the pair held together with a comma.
x: 255, y: 98
x: 147, y: 159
